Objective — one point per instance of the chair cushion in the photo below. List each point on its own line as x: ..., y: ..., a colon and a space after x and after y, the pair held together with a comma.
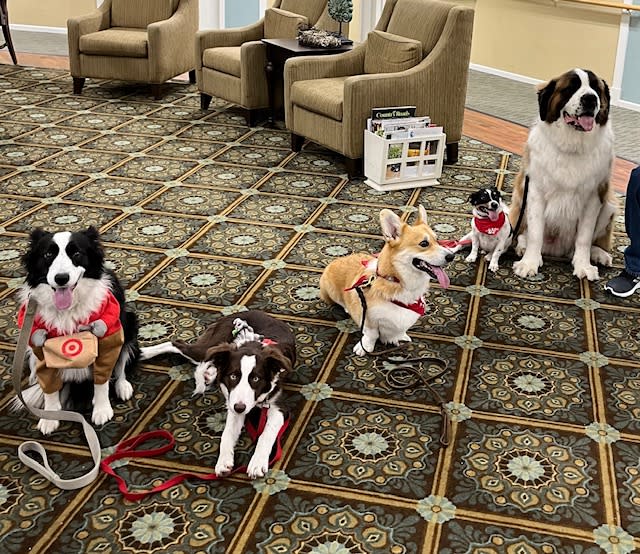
x: 225, y: 59
x: 322, y: 96
x: 117, y: 41
x: 140, y: 13
x: 312, y: 9
x: 388, y: 53
x: 420, y: 20
x: 282, y: 24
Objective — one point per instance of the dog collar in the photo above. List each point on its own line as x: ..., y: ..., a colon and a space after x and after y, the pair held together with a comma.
x: 418, y: 306
x: 488, y: 227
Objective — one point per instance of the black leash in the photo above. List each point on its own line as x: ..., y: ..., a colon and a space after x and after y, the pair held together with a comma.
x: 516, y: 229
x: 405, y: 376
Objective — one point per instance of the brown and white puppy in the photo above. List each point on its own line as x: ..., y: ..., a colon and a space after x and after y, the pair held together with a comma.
x: 398, y: 278
x: 248, y: 355
x: 568, y: 158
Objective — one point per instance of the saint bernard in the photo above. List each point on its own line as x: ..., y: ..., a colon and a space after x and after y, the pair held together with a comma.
x: 569, y: 205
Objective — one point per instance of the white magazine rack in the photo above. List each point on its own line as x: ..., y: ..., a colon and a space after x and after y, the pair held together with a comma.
x: 394, y: 164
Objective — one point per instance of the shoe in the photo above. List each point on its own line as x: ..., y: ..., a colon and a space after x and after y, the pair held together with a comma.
x: 623, y: 285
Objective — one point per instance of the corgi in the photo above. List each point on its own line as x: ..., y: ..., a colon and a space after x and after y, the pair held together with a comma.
x: 393, y: 283
x: 490, y: 226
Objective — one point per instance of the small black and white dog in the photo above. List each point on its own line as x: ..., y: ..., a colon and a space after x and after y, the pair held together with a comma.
x: 248, y: 355
x: 490, y: 226
x: 75, y: 292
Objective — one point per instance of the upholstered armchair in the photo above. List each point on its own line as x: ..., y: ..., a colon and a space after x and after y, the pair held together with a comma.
x: 230, y: 63
x: 418, y: 55
x: 149, y: 41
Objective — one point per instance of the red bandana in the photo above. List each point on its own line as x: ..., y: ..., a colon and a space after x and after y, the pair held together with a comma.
x: 488, y: 227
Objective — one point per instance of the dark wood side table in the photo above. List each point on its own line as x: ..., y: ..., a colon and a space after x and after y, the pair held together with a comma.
x: 279, y: 50
x: 4, y: 21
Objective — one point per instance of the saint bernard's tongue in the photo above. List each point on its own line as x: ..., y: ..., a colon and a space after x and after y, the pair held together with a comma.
x: 63, y: 298
x: 586, y: 122
x: 443, y: 278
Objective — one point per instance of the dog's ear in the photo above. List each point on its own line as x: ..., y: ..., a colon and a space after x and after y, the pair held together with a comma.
x: 37, y: 234
x: 545, y: 91
x: 391, y: 225
x: 220, y: 356
x: 31, y: 256
x: 605, y: 101
x: 275, y: 362
x: 422, y: 215
x: 472, y: 198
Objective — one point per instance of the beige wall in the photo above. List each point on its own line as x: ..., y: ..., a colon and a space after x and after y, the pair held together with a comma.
x: 538, y: 39
x: 47, y: 13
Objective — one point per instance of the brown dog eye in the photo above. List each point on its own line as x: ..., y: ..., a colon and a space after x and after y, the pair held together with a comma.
x: 233, y: 377
x: 424, y: 243
x: 255, y: 379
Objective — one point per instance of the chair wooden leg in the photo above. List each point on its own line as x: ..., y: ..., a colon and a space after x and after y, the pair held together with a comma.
x: 156, y: 90
x: 78, y: 83
x: 354, y: 166
x: 9, y: 43
x: 192, y: 76
x: 452, y: 153
x: 296, y: 142
x: 205, y: 100
x: 253, y: 116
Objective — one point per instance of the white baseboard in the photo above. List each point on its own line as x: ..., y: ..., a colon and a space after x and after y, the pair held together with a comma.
x: 615, y: 92
x: 38, y: 28
x: 505, y: 74
x: 628, y: 105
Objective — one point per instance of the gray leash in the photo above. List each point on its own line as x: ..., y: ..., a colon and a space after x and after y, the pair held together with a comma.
x: 62, y: 415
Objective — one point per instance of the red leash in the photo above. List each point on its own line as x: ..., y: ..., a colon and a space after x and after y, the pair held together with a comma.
x: 128, y: 449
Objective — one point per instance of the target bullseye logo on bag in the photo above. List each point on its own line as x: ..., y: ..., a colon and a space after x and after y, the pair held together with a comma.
x: 77, y: 350
x: 71, y: 348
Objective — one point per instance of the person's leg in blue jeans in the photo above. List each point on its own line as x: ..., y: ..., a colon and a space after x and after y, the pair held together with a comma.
x: 628, y: 281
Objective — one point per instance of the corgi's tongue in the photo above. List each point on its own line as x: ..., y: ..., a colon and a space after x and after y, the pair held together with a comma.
x: 443, y: 278
x: 63, y: 297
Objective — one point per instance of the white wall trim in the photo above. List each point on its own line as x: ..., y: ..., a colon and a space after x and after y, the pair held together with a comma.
x: 211, y: 14
x: 626, y: 104
x: 262, y: 7
x: 370, y: 13
x: 38, y: 28
x: 506, y: 74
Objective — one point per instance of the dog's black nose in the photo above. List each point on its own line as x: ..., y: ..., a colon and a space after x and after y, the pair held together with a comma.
x: 449, y: 257
x: 589, y: 102
x: 494, y: 205
x: 239, y: 407
x: 61, y: 279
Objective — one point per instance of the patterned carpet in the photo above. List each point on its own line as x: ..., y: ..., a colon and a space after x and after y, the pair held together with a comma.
x: 203, y: 216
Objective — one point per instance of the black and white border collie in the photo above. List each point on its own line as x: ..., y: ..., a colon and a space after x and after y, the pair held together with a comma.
x: 490, y: 226
x: 248, y: 355
x: 67, y: 277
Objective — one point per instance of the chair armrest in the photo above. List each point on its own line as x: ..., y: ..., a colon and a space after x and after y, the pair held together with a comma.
x: 169, y: 53
x: 319, y: 67
x: 98, y: 20
x: 214, y: 38
x: 436, y: 86
x: 325, y: 66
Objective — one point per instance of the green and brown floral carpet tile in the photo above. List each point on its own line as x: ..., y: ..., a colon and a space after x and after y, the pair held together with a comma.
x: 203, y: 216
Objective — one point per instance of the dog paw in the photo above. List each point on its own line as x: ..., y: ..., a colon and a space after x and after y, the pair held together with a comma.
x: 526, y: 268
x: 404, y: 338
x: 600, y: 256
x: 224, y: 465
x: 48, y: 426
x: 471, y: 258
x: 493, y: 267
x: 258, y: 466
x: 588, y: 271
x: 358, y: 350
x: 101, y: 415
x: 124, y: 389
